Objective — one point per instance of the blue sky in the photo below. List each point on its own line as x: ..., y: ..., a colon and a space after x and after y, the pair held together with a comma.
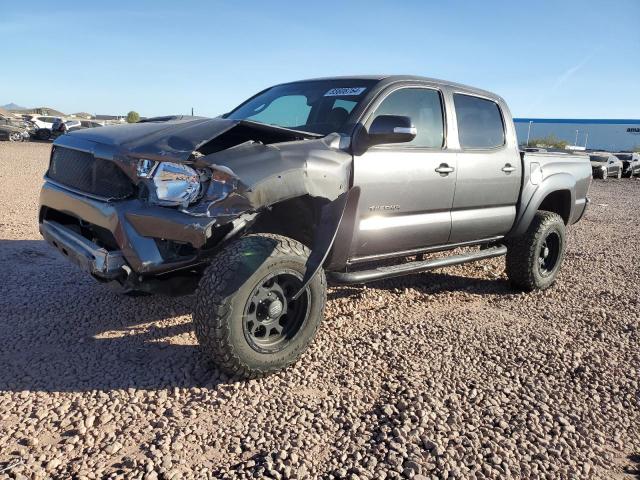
x: 547, y: 58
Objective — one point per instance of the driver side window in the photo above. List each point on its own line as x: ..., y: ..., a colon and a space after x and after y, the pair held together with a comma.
x: 424, y: 107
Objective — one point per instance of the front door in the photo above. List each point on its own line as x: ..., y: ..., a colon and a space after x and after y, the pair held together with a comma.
x: 406, y: 189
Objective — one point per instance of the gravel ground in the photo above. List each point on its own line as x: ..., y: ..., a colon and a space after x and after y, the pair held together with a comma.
x: 441, y: 375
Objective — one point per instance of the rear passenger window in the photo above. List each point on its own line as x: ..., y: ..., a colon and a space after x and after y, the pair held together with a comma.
x: 424, y: 107
x: 479, y: 122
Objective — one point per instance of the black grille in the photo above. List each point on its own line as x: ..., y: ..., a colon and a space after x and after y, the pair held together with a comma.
x: 83, y: 172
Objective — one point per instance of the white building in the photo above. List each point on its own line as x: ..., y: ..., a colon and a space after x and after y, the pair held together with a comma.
x: 609, y: 135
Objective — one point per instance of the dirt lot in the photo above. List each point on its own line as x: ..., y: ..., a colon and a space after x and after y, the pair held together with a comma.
x: 442, y: 375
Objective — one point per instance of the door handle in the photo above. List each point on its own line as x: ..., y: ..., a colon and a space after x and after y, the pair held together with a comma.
x: 444, y: 169
x: 508, y: 168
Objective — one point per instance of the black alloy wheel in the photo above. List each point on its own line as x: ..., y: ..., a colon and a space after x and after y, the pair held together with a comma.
x: 548, y: 253
x: 271, y: 316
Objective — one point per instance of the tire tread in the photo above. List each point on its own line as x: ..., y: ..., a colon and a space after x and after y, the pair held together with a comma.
x: 219, y: 284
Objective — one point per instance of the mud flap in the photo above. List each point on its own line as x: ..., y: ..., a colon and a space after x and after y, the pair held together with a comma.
x: 336, y: 216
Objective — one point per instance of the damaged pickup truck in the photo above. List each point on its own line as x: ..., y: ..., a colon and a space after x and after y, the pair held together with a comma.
x: 348, y: 180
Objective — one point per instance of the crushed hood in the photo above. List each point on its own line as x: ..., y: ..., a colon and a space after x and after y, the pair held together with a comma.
x: 271, y: 163
x: 174, y: 139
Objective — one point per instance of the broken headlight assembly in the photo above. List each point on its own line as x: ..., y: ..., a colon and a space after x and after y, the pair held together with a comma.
x: 174, y: 184
x: 170, y: 184
x: 222, y: 183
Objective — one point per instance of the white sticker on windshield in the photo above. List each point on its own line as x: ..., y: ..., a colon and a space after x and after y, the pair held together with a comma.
x: 346, y: 91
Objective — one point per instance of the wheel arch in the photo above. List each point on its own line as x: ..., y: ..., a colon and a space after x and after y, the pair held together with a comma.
x: 557, y: 193
x: 295, y: 218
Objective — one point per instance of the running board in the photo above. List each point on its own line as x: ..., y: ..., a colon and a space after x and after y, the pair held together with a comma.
x: 380, y: 273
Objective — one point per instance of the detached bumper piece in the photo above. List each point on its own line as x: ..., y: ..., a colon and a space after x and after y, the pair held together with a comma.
x: 99, y: 262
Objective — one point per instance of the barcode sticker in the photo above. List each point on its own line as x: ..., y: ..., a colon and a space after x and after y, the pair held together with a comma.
x: 345, y: 91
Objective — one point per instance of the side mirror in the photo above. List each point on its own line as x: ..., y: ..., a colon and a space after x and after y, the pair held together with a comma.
x: 391, y: 129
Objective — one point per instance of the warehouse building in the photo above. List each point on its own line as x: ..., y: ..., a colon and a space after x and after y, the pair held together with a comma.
x: 595, y: 134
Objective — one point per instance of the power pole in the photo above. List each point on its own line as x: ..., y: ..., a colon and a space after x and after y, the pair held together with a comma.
x: 192, y: 111
x: 529, y: 131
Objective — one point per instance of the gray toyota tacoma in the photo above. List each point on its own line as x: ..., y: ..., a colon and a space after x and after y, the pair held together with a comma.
x: 341, y: 180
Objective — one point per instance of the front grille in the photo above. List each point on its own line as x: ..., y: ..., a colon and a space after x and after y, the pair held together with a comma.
x: 86, y: 173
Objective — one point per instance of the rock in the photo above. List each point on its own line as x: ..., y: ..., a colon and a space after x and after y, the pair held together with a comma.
x: 113, y: 448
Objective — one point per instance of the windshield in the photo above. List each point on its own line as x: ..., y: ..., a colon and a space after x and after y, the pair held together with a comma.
x: 318, y: 106
x: 623, y: 156
x: 598, y: 158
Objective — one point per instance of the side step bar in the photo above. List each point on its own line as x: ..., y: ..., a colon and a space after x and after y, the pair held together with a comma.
x: 364, y: 276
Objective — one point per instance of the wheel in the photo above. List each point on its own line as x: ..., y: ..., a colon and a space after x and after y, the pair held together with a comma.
x: 603, y: 174
x: 619, y: 173
x: 15, y: 137
x: 43, y: 134
x: 534, y: 259
x: 245, y: 317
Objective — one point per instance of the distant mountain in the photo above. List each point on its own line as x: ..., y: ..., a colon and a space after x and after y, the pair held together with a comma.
x: 13, y: 106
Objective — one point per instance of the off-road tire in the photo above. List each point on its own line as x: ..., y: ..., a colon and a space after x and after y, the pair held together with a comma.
x: 223, y: 293
x: 523, y: 253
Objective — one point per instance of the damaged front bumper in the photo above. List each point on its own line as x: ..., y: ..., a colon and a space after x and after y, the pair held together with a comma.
x: 90, y: 257
x: 147, y: 240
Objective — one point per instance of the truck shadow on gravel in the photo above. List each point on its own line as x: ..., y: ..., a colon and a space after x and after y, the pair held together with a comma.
x: 64, y: 332
x: 431, y: 283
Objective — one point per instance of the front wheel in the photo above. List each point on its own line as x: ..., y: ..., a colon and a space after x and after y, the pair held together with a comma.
x: 15, y: 137
x: 619, y: 173
x: 245, y: 316
x: 534, y: 259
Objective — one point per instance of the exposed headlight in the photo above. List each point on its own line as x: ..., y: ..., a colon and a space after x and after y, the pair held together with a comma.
x: 603, y: 167
x: 172, y: 184
x: 223, y: 182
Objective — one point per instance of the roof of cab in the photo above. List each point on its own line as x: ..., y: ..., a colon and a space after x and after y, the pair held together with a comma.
x: 385, y: 80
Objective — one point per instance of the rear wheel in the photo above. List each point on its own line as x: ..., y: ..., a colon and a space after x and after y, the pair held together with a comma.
x: 246, y: 318
x: 43, y: 134
x: 15, y: 137
x: 534, y: 259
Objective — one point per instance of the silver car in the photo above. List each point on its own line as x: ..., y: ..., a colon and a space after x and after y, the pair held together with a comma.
x: 605, y: 165
x: 630, y: 163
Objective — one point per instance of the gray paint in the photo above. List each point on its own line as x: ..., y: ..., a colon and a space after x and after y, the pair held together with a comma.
x: 404, y: 204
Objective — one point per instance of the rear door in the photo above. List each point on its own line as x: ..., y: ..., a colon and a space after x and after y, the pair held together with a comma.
x: 489, y: 170
x: 405, y: 203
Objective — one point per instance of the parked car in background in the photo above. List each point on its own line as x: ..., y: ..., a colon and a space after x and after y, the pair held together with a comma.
x: 60, y: 127
x: 44, y: 125
x: 90, y: 124
x: 630, y: 164
x: 13, y: 131
x: 604, y: 165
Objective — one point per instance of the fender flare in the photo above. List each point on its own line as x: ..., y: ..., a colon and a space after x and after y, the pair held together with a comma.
x: 553, y: 183
x: 336, y: 222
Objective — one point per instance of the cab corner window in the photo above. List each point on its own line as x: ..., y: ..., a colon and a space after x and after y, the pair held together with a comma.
x: 479, y: 122
x: 424, y: 107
